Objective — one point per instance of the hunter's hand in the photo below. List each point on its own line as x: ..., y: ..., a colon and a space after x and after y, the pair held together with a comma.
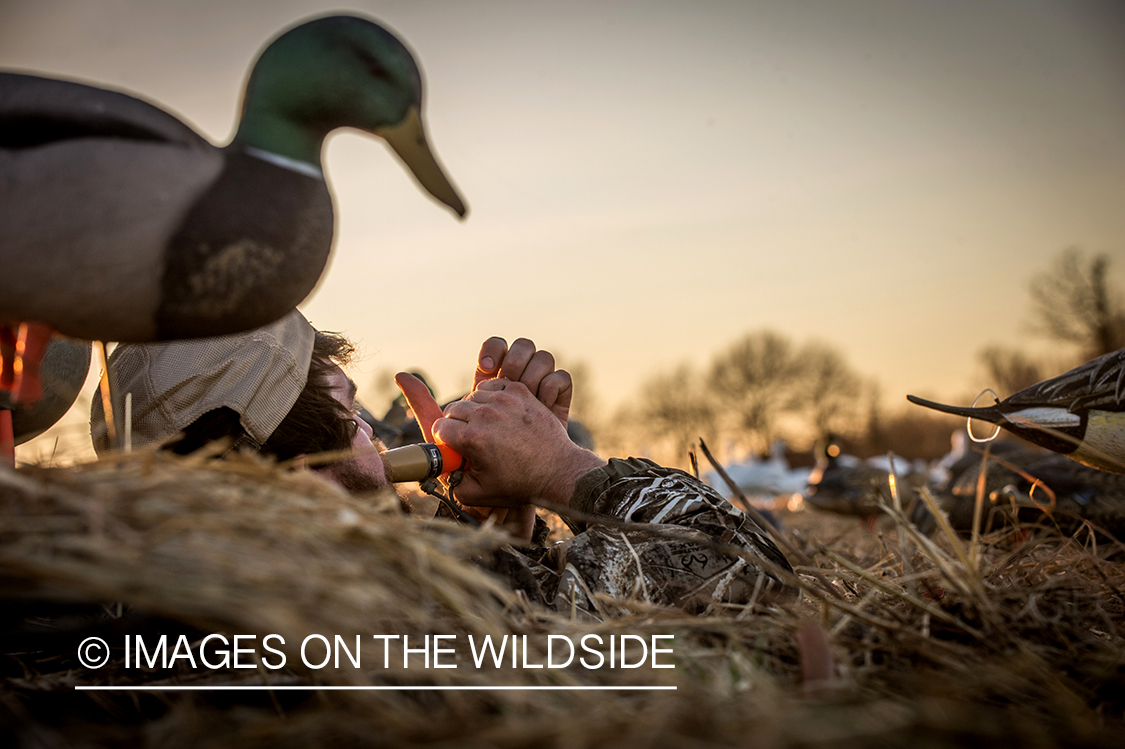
x: 517, y: 449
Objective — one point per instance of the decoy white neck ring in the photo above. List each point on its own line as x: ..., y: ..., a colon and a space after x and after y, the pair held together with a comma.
x: 301, y: 167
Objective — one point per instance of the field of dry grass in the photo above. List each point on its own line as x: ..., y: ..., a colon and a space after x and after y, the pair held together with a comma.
x: 897, y: 640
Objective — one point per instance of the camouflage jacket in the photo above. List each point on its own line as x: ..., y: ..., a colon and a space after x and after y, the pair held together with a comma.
x: 653, y: 534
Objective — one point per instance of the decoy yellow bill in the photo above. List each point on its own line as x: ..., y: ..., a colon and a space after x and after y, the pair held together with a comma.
x: 408, y: 140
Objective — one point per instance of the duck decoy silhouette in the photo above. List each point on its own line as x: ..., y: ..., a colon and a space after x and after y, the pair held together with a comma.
x: 118, y: 222
x: 862, y: 489
x: 1080, y: 414
x: 1036, y: 486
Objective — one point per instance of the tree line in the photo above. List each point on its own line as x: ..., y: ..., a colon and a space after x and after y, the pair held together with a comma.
x: 764, y: 386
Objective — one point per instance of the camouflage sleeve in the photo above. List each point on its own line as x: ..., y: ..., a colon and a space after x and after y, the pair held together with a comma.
x: 663, y: 542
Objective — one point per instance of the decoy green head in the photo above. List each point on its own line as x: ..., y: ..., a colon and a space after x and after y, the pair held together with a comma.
x: 340, y: 71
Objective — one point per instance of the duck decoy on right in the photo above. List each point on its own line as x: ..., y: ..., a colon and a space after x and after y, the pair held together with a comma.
x: 118, y: 222
x: 1079, y: 414
x: 1035, y: 487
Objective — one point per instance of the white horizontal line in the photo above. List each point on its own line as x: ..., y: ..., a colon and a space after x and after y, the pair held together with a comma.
x: 268, y: 688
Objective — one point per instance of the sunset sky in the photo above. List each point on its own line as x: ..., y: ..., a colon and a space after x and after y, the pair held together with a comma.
x: 649, y: 180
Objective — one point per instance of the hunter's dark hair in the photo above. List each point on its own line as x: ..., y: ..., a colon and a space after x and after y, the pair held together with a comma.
x: 317, y: 422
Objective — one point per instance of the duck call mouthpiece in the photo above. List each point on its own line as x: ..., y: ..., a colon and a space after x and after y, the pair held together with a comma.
x: 420, y: 462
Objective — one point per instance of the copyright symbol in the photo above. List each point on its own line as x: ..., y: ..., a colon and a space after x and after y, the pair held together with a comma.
x: 93, y: 652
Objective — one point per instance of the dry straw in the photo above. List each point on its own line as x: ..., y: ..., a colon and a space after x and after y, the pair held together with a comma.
x: 1013, y: 637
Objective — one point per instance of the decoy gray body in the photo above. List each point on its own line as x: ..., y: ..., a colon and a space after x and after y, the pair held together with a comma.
x: 118, y: 222
x: 861, y: 490
x: 1080, y: 414
x: 1036, y: 486
x: 846, y: 485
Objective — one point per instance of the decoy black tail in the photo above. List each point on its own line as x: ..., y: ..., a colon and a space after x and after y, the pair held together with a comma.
x: 984, y: 413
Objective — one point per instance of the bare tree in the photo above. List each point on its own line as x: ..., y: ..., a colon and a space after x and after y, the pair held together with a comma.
x: 754, y: 381
x: 1074, y: 304
x: 759, y: 388
x: 1010, y: 370
x: 764, y: 382
x: 829, y: 388
x: 675, y: 408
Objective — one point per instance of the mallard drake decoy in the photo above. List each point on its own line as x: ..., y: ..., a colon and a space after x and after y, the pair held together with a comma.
x: 1080, y: 414
x: 118, y: 222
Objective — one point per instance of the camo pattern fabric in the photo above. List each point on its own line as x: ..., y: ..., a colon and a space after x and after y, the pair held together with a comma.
x: 667, y: 538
